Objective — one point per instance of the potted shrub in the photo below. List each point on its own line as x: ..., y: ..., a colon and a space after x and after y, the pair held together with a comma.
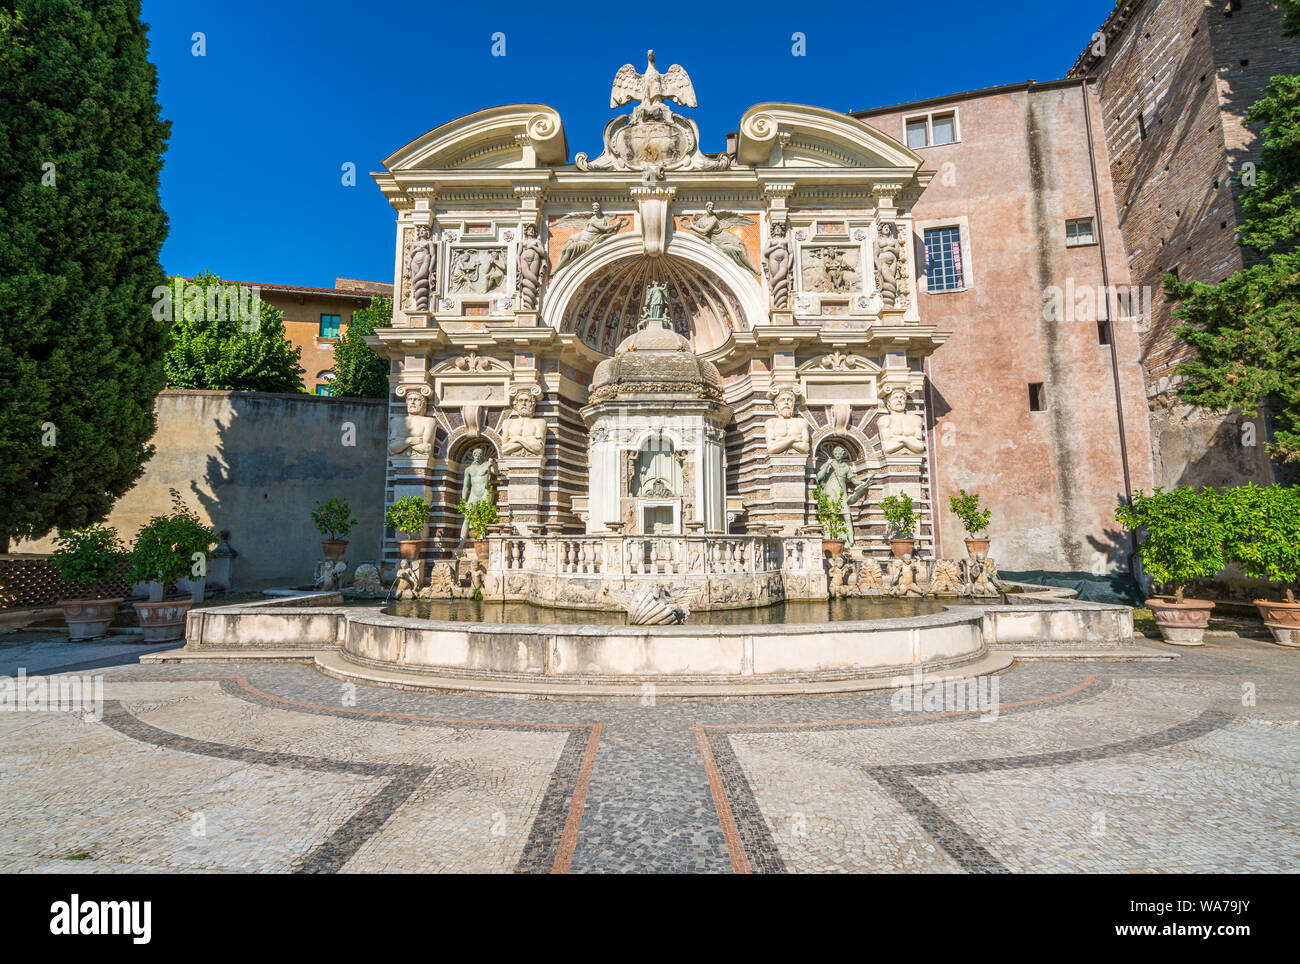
x: 87, y: 556
x: 901, y: 516
x: 480, y: 515
x: 168, y: 548
x: 966, y: 507
x: 1182, y: 538
x: 333, y: 520
x: 830, y: 516
x: 409, y: 515
x: 1263, y: 537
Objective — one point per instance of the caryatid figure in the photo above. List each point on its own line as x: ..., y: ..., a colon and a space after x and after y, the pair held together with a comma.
x: 477, y: 486
x: 776, y: 258
x: 787, y: 434
x: 888, y: 265
x: 413, y: 434
x: 838, y: 482
x: 901, y: 432
x: 421, y: 268
x: 534, y: 263
x: 522, y: 434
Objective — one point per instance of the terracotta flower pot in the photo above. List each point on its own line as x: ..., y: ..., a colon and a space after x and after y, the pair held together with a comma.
x: 481, y: 549
x: 1182, y: 624
x: 88, y: 618
x: 410, y: 549
x: 334, y: 549
x: 833, y: 546
x: 902, y: 548
x: 1282, y: 620
x: 976, y: 547
x: 163, y: 621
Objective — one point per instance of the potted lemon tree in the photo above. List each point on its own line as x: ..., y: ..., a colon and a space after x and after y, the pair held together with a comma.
x: 333, y: 520
x: 900, y: 514
x: 167, y: 548
x: 89, y: 557
x: 966, y: 507
x: 1263, y: 537
x: 830, y: 516
x: 409, y: 515
x: 481, y: 515
x: 1181, y: 537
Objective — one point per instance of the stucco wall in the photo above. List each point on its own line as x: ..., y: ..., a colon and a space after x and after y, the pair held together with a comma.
x: 254, y: 464
x: 1053, y: 478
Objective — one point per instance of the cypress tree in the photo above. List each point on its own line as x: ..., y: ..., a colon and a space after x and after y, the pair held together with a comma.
x: 81, y: 227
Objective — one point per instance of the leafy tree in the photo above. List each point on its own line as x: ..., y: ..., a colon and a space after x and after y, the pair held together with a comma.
x: 81, y: 227
x: 1185, y: 533
x: 1246, y: 330
x: 214, y: 346
x: 1263, y: 532
x: 358, y: 371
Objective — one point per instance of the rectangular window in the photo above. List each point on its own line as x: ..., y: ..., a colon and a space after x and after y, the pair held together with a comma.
x: 916, y: 133
x: 1142, y: 127
x: 1078, y: 231
x: 1103, y: 332
x: 329, y: 326
x: 943, y: 259
x: 1037, y: 397
x: 943, y: 129
x: 324, y: 390
x: 930, y: 130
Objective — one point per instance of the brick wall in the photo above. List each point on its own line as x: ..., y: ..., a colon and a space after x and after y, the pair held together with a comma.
x: 1189, y: 69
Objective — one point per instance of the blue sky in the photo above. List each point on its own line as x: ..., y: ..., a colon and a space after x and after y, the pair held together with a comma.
x: 288, y: 91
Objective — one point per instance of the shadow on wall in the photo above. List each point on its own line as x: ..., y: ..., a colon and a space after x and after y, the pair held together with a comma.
x: 256, y: 463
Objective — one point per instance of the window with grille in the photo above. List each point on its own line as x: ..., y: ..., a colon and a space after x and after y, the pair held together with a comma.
x: 943, y: 259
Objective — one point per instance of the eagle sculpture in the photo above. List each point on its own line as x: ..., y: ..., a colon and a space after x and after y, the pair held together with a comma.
x: 651, y: 88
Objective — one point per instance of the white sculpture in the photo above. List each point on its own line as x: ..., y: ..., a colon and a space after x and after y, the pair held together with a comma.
x: 413, y: 434
x: 901, y: 432
x: 367, y: 581
x: 522, y: 434
x: 786, y: 433
x: 655, y: 606
x: 407, y: 583
x: 329, y: 574
x: 534, y: 263
x: 596, y: 227
x: 650, y: 89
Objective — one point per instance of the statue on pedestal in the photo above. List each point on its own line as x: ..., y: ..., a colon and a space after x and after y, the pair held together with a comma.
x: 786, y: 433
x: 838, y: 482
x: 477, y: 486
x: 413, y: 434
x: 901, y: 432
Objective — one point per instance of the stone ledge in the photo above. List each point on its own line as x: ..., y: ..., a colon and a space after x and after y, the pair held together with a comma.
x: 337, y: 667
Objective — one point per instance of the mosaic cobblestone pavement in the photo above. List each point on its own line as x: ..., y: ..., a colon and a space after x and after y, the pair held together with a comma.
x: 1183, y: 766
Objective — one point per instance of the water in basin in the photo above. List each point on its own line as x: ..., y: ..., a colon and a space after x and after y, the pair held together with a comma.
x: 788, y: 613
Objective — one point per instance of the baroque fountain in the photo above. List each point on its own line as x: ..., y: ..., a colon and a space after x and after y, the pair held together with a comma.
x: 651, y: 360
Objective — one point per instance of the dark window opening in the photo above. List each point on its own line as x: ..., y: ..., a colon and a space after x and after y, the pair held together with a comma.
x: 1103, y: 334
x: 1037, y: 397
x: 1142, y: 127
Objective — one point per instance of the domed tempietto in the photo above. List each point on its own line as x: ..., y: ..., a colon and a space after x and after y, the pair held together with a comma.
x: 657, y: 421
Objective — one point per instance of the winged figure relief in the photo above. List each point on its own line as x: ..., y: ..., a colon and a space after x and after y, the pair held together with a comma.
x: 712, y: 226
x: 651, y: 89
x: 595, y: 228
